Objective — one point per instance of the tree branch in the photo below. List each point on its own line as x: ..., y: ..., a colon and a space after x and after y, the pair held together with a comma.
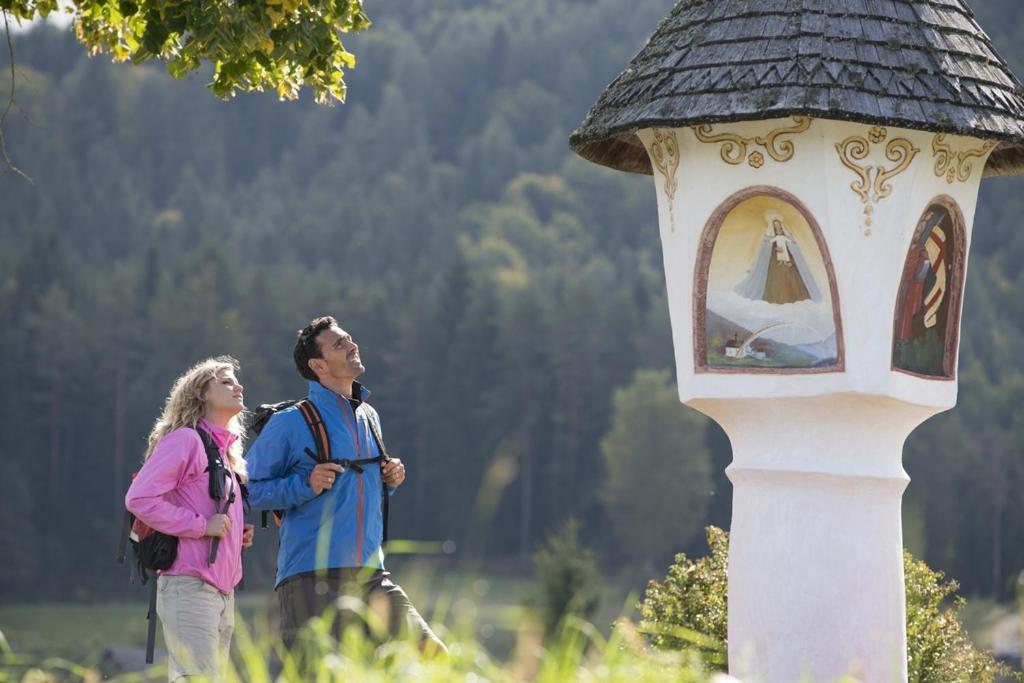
x: 10, y: 103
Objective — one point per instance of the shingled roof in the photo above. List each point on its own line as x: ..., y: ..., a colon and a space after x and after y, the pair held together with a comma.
x: 921, y: 64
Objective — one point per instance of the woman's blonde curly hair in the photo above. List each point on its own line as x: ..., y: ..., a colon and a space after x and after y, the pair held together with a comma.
x: 186, y: 405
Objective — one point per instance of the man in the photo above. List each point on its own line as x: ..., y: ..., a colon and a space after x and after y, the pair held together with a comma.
x: 332, y: 527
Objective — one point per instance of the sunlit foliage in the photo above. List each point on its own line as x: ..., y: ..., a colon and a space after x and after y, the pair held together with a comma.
x: 280, y: 45
x: 688, y: 610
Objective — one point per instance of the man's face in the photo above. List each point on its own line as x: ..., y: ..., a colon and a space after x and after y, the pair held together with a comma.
x: 340, y: 356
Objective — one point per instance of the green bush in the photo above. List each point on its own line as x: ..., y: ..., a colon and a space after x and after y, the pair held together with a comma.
x: 938, y: 648
x: 688, y: 611
x: 568, y: 581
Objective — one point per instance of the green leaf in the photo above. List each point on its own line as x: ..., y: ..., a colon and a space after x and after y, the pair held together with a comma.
x: 302, y: 51
x: 156, y: 33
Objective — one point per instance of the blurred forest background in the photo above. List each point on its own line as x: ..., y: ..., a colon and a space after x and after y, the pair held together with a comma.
x: 508, y: 297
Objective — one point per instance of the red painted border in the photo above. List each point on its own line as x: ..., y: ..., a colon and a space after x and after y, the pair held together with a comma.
x: 956, y: 290
x: 700, y: 285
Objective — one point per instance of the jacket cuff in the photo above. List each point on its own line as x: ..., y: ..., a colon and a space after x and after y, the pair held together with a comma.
x: 198, y: 527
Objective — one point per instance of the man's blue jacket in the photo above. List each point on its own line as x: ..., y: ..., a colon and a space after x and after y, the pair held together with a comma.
x: 343, y: 526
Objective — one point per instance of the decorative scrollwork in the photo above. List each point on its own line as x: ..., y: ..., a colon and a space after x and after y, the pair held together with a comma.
x: 733, y: 151
x: 851, y: 150
x: 873, y: 181
x: 956, y: 165
x: 734, y: 147
x: 901, y: 152
x: 783, y: 150
x: 664, y: 153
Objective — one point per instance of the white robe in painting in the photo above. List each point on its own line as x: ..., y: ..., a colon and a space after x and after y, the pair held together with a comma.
x: 779, y: 253
x: 806, y: 321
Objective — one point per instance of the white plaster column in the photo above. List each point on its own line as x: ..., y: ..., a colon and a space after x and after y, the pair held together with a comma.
x: 815, y: 243
x: 815, y: 561
x: 816, y: 586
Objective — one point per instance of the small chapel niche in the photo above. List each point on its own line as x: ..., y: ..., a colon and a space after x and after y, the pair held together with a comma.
x: 766, y: 293
x: 926, y: 325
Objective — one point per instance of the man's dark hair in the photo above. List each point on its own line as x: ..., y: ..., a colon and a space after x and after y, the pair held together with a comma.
x: 306, y: 345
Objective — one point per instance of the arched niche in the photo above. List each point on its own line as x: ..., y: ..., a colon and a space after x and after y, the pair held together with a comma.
x: 765, y: 290
x: 926, y: 321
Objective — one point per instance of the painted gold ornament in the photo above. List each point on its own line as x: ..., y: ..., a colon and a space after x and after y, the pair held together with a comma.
x: 664, y: 153
x: 735, y: 147
x: 953, y: 164
x: 873, y: 181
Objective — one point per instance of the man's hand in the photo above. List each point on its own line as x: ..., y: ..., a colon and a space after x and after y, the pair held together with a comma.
x: 393, y: 472
x: 248, y: 531
x: 218, y: 526
x: 322, y: 476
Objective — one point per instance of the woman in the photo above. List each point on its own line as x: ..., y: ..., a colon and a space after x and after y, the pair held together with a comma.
x: 171, y: 493
x: 779, y: 274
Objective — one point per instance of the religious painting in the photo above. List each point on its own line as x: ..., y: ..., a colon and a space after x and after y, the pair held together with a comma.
x: 927, y: 303
x: 769, y: 301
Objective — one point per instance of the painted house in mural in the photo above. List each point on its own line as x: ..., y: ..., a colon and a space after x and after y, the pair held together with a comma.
x: 816, y: 166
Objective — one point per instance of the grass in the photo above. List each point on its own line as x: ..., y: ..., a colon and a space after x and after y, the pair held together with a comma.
x: 82, y: 631
x: 482, y: 616
x: 492, y: 638
x: 73, y: 631
x: 579, y: 652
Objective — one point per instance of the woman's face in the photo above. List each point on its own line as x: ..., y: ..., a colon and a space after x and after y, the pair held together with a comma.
x: 777, y: 227
x: 224, y: 393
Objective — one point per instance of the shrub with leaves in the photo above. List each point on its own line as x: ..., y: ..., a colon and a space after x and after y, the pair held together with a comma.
x: 568, y: 581
x: 938, y: 648
x: 687, y: 610
x: 280, y: 45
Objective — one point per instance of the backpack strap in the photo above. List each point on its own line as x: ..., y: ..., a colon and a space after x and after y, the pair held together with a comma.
x: 214, y: 464
x: 215, y: 543
x: 378, y: 439
x: 384, y: 457
x: 151, y: 630
x: 219, y: 474
x: 245, y: 491
x: 318, y: 430
x: 358, y: 465
x: 126, y: 531
x: 128, y: 534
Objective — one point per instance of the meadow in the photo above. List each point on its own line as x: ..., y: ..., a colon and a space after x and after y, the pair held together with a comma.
x: 484, y: 617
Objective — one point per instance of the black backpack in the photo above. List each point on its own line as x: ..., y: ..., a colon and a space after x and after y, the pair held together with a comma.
x: 318, y: 430
x: 155, y: 550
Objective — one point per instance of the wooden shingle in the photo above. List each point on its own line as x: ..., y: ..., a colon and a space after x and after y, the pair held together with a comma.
x: 919, y: 64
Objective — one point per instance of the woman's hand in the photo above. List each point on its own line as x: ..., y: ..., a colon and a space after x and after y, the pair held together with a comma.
x: 248, y: 531
x: 218, y: 526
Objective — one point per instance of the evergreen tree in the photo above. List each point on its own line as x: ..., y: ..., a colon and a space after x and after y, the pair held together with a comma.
x: 658, y: 469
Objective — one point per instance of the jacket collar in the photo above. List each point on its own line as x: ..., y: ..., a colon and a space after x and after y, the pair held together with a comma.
x: 222, y: 437
x: 318, y: 391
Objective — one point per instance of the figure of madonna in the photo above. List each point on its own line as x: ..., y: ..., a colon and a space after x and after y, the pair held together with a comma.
x: 779, y: 274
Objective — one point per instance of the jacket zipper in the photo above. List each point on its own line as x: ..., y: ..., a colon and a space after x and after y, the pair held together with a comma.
x: 350, y: 417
